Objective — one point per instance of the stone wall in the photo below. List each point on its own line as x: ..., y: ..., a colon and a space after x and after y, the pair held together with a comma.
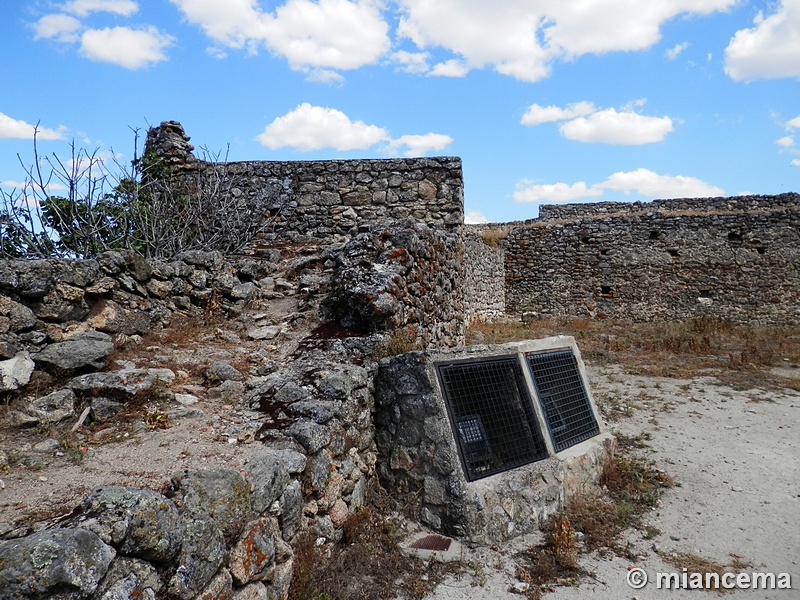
x: 484, y: 277
x: 318, y: 200
x: 401, y: 276
x: 44, y: 301
x: 736, y: 259
x: 216, y: 533
x: 733, y: 204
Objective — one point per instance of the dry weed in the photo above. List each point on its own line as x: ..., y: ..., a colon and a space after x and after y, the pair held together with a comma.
x: 367, y: 564
x: 738, y: 355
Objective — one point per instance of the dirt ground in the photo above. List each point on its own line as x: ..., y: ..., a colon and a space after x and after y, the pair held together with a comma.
x: 735, y: 455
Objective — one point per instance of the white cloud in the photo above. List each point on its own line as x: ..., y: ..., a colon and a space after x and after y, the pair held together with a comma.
x: 611, y: 127
x: 10, y: 184
x: 234, y: 23
x: 125, y: 47
x: 536, y: 115
x: 554, y: 192
x: 474, y: 217
x: 82, y: 8
x: 419, y: 145
x: 58, y: 27
x: 500, y: 34
x: 673, y: 52
x: 641, y: 181
x: 618, y: 25
x: 795, y: 162
x: 411, y: 62
x: 793, y: 123
x: 785, y: 142
x: 650, y: 184
x: 310, y: 127
x: 325, y: 76
x: 217, y: 53
x: 450, y: 68
x: 522, y: 38
x: 15, y: 129
x: 768, y: 50
x: 584, y: 123
x: 329, y: 34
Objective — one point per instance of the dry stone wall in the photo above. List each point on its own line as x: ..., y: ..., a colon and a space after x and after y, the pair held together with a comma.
x: 42, y: 302
x: 405, y: 277
x: 736, y: 259
x: 484, y: 278
x: 323, y: 199
x: 215, y: 533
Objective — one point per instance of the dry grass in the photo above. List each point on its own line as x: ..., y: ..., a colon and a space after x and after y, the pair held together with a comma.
x: 554, y: 563
x: 367, y: 564
x: 740, y: 356
x: 692, y: 564
x: 631, y: 486
x: 399, y: 341
x: 494, y: 237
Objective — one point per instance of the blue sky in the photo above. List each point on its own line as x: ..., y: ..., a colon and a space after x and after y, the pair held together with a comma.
x: 544, y: 100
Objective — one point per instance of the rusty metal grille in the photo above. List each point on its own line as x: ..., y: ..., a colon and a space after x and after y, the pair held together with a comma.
x: 491, y: 414
x: 563, y: 396
x: 432, y: 542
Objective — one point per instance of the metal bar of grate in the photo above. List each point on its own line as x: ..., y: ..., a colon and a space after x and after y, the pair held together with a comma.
x: 491, y: 414
x: 565, y: 403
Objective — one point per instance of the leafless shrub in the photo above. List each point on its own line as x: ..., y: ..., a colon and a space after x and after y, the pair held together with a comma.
x: 146, y: 206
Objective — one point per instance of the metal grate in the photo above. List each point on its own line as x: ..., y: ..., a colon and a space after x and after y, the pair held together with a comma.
x: 566, y: 405
x: 432, y: 542
x: 492, y: 416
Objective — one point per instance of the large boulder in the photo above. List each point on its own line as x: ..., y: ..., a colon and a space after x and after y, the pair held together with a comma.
x: 21, y: 318
x: 200, y: 557
x: 139, y: 523
x: 65, y: 563
x: 221, y: 494
x: 53, y: 408
x: 253, y: 555
x: 120, y: 384
x: 129, y: 578
x: 107, y: 315
x: 268, y: 477
x: 89, y: 349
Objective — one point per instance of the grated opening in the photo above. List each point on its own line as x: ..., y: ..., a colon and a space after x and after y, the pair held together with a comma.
x: 564, y: 400
x: 491, y: 414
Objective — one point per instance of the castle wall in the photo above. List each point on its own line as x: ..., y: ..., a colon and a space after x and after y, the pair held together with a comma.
x: 484, y: 286
x: 732, y: 258
x: 305, y: 200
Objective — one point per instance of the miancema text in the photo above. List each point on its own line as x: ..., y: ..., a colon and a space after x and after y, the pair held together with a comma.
x: 729, y: 581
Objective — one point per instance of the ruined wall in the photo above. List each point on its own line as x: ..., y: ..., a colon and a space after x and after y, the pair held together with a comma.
x: 322, y: 199
x: 484, y: 277
x: 733, y: 258
x: 44, y: 301
x: 215, y: 532
x: 733, y: 204
x: 402, y: 276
